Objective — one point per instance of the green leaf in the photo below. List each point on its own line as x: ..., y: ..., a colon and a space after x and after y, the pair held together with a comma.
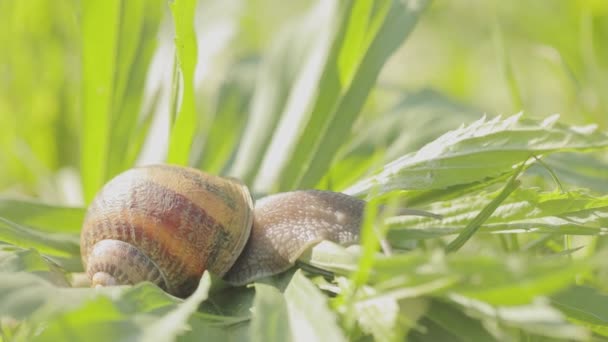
x: 14, y: 259
x: 56, y: 244
x: 445, y: 322
x: 584, y: 305
x: 309, y: 316
x: 173, y: 323
x: 122, y: 313
x: 389, y: 318
x: 269, y: 311
x: 99, y: 49
x: 495, y: 278
x: 582, y: 170
x: 184, y: 127
x: 481, y: 150
x: 329, y: 256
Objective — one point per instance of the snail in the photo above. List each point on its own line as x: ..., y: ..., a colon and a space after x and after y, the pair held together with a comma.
x: 168, y: 224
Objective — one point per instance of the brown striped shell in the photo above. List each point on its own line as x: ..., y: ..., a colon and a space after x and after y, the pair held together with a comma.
x: 165, y: 224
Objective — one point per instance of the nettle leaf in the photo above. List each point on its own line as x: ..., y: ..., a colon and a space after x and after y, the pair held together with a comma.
x: 525, y: 210
x: 15, y: 259
x: 481, y: 150
x: 27, y: 295
x: 174, y: 323
x: 120, y: 313
x: 53, y: 231
x: 495, y: 278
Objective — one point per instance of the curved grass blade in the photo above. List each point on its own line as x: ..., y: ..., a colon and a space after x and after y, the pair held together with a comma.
x: 484, y: 214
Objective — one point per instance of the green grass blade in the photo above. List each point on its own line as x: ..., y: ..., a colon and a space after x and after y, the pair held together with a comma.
x: 473, y: 226
x: 356, y: 57
x: 99, y: 49
x: 275, y: 77
x: 224, y: 131
x: 292, y: 57
x: 184, y: 127
x: 387, y: 32
x: 140, y: 21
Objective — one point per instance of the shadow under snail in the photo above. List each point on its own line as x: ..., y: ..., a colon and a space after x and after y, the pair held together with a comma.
x: 168, y: 224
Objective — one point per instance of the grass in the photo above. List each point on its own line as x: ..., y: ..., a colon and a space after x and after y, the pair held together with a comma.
x: 380, y: 99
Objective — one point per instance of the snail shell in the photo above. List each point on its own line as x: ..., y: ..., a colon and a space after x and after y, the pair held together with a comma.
x: 165, y: 224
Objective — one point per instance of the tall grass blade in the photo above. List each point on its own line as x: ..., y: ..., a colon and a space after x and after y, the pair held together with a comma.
x: 484, y: 214
x: 99, y: 50
x: 184, y: 127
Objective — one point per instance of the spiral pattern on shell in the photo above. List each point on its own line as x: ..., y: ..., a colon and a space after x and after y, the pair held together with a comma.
x: 165, y: 224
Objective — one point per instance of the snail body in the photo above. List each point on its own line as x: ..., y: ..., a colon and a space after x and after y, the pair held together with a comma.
x: 168, y: 224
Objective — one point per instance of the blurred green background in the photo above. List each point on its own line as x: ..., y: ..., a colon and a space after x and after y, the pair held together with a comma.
x: 464, y: 59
